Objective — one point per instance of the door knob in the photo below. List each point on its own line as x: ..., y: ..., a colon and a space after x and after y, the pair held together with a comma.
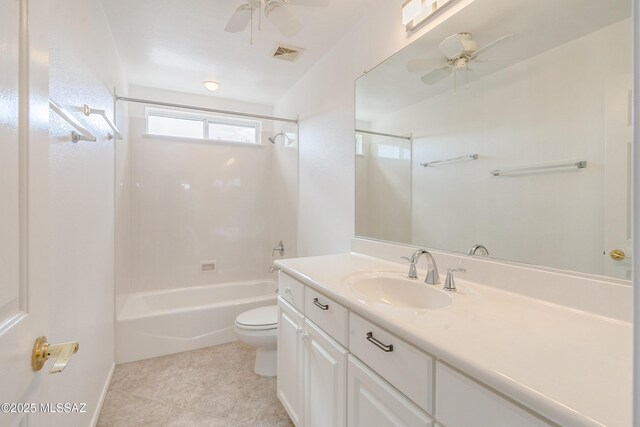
x: 43, y: 351
x: 617, y: 255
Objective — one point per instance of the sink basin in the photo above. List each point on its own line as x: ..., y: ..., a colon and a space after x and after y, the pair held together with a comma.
x: 395, y: 289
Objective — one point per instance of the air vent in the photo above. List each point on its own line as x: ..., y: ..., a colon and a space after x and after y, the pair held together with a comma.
x: 207, y: 266
x: 286, y: 53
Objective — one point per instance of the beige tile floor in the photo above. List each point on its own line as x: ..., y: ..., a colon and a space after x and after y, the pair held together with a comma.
x: 213, y: 386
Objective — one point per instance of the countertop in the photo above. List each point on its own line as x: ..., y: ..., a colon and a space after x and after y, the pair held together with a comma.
x: 572, y: 367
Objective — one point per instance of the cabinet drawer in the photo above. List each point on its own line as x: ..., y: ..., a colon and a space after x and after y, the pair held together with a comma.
x: 405, y: 367
x: 373, y: 402
x: 291, y: 291
x: 330, y: 316
x: 463, y: 402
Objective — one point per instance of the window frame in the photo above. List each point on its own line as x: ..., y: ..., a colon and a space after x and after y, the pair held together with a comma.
x: 206, y: 119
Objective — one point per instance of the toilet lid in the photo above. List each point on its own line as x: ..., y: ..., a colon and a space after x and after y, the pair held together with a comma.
x: 259, y: 318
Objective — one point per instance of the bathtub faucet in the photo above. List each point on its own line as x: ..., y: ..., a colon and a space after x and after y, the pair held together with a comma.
x: 273, y: 269
x: 279, y: 249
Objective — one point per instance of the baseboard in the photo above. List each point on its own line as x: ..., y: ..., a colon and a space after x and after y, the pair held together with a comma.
x: 103, y: 395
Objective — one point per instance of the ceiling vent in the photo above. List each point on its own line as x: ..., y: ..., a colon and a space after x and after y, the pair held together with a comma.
x: 286, y: 53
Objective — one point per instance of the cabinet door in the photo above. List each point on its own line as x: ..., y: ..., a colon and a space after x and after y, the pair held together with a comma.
x: 462, y: 402
x: 325, y: 379
x: 372, y: 402
x: 290, y: 361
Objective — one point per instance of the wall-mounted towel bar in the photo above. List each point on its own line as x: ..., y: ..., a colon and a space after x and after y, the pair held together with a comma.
x: 82, y: 133
x: 540, y: 168
x: 452, y: 159
x: 88, y: 111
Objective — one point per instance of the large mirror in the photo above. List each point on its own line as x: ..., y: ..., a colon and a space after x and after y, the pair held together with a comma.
x: 507, y: 126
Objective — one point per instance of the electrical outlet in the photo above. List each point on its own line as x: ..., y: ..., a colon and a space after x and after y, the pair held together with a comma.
x: 208, y: 266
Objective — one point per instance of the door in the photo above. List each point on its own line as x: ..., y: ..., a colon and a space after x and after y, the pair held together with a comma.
x: 618, y: 121
x: 372, y: 402
x: 290, y: 361
x: 23, y: 207
x: 325, y: 379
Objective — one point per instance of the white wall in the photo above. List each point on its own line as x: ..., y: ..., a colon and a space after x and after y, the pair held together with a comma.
x: 324, y: 99
x: 545, y: 109
x: 83, y: 69
x: 194, y: 201
x: 383, y: 189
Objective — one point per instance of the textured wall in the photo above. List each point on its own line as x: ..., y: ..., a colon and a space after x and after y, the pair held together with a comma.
x: 83, y: 69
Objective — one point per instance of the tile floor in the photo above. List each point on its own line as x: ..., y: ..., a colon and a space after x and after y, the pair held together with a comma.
x: 213, y: 386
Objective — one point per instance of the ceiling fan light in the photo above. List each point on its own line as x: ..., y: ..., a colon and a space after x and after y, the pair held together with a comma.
x: 211, y: 85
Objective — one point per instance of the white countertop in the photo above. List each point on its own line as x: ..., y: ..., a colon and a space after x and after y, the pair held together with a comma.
x: 572, y: 367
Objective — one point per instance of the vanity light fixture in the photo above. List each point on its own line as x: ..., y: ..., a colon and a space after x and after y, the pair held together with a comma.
x: 417, y: 12
x: 211, y: 85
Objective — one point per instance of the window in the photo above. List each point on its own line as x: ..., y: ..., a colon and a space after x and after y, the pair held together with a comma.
x: 208, y: 128
x: 172, y: 126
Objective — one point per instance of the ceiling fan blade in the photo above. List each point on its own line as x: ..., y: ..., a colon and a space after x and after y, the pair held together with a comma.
x: 435, y: 76
x: 312, y: 3
x: 423, y: 64
x: 240, y: 19
x: 282, y: 19
x: 492, y: 44
x: 453, y: 45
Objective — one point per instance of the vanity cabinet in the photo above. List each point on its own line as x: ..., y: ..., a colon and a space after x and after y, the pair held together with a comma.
x: 336, y: 368
x: 482, y: 407
x: 325, y: 379
x: 290, y: 361
x: 374, y: 402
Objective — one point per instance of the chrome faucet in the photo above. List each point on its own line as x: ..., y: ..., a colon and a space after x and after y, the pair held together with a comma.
x: 478, y: 247
x: 450, y: 282
x: 433, y: 277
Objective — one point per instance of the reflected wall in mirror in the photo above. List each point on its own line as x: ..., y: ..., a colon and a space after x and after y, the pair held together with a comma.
x: 541, y: 93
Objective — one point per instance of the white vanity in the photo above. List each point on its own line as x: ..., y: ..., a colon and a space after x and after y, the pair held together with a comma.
x: 347, y: 356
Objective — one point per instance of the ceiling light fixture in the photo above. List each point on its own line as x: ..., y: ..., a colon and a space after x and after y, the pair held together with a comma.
x: 211, y: 85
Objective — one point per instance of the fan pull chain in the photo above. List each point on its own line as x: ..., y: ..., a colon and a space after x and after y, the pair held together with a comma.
x: 467, y: 68
x: 455, y: 83
x: 251, y: 31
x: 260, y: 20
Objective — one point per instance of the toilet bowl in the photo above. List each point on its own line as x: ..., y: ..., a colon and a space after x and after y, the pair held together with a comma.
x: 259, y: 328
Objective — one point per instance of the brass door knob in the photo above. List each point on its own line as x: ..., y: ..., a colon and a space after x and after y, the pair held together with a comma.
x: 617, y: 255
x: 43, y: 351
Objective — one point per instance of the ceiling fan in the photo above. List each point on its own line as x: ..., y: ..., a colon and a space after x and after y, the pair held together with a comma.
x: 459, y: 51
x: 276, y: 11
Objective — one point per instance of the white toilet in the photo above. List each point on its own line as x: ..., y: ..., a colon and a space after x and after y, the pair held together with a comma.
x: 259, y: 328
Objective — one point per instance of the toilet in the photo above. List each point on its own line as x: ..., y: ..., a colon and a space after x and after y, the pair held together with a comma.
x: 259, y: 328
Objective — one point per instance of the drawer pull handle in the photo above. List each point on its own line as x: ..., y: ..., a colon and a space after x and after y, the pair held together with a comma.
x: 321, y: 306
x: 378, y: 343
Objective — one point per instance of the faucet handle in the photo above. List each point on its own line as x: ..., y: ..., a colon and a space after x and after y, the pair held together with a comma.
x: 406, y: 258
x: 450, y: 282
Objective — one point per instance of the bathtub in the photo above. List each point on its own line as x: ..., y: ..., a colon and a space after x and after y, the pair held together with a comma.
x: 156, y: 323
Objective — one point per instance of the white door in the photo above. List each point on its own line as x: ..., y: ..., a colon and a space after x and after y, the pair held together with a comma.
x: 325, y: 380
x: 290, y: 361
x: 618, y: 177
x: 23, y: 207
x: 372, y: 402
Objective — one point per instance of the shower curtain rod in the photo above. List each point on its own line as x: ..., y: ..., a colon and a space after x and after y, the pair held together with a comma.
x: 390, y: 135
x: 208, y: 110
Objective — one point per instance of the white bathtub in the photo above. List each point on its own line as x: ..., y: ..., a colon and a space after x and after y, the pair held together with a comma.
x: 151, y: 324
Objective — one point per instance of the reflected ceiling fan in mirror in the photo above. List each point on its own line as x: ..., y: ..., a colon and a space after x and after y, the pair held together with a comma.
x: 459, y: 51
x: 276, y: 11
